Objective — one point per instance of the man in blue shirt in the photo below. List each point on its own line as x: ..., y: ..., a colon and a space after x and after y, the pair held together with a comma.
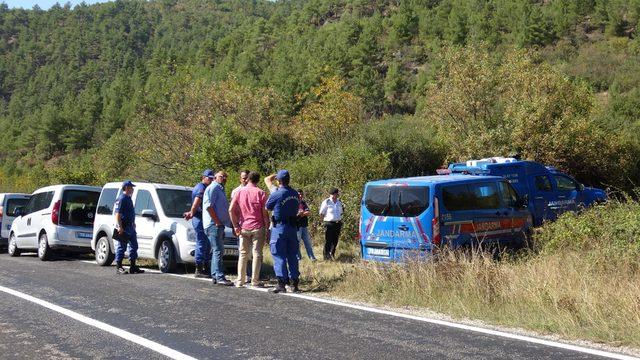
x: 203, y: 246
x: 126, y: 230
x: 284, y: 203
x: 215, y: 217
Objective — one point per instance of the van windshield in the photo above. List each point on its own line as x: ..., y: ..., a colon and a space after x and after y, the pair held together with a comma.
x: 78, y: 207
x: 174, y: 202
x: 406, y: 201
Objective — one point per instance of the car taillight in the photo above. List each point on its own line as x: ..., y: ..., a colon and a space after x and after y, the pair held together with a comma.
x: 435, y: 223
x: 55, y: 213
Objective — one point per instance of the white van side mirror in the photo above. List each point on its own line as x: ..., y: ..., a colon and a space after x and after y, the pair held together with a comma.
x: 151, y: 214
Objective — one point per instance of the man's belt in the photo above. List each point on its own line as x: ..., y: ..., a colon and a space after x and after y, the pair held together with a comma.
x: 292, y: 221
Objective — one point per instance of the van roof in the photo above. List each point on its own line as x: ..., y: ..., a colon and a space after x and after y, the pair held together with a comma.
x: 68, y: 187
x: 147, y: 184
x: 433, y: 179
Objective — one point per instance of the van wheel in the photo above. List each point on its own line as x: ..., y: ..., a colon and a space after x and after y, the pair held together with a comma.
x: 104, y: 256
x: 13, y: 246
x: 167, y: 257
x: 44, y: 251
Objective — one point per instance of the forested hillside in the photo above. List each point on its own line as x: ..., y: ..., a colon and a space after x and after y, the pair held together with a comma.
x: 339, y: 91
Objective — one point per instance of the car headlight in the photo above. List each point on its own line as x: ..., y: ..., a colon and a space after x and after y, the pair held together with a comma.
x: 191, y: 235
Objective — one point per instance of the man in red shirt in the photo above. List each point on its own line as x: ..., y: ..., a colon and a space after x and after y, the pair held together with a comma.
x: 250, y: 223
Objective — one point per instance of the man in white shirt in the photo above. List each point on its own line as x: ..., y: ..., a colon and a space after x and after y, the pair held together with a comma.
x: 331, y: 209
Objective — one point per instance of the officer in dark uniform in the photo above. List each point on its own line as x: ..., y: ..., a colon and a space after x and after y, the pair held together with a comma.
x: 126, y: 230
x: 284, y: 235
x: 203, y: 246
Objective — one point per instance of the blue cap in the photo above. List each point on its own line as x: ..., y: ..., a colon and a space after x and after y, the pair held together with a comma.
x: 127, y: 183
x: 208, y: 173
x: 282, y: 174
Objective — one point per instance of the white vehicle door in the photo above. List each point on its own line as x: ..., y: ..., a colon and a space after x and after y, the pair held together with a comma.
x: 36, y: 220
x: 11, y: 203
x: 146, y: 227
x: 19, y: 223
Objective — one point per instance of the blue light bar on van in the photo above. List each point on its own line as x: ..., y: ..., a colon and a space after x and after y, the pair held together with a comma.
x: 462, y: 168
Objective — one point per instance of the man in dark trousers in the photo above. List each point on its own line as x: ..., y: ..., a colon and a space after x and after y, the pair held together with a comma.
x: 126, y: 230
x: 331, y: 209
x: 284, y: 203
x: 203, y: 246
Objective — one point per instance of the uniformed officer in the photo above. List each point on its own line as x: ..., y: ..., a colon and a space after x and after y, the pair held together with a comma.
x: 203, y: 246
x: 284, y: 235
x: 126, y: 230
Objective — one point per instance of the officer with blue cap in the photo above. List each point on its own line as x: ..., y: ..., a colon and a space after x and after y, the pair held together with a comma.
x: 284, y: 235
x: 126, y: 230
x: 203, y: 246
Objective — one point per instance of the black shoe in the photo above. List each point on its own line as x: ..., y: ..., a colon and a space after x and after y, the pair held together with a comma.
x: 200, y: 274
x: 295, y: 288
x: 280, y: 288
x: 135, y: 270
x: 224, y: 282
x: 121, y: 271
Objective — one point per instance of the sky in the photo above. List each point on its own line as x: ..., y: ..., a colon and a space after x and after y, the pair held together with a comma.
x: 45, y: 4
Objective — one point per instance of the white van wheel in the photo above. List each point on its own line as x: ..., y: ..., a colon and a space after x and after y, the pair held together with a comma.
x: 13, y: 247
x: 166, y: 257
x: 44, y: 251
x: 104, y: 256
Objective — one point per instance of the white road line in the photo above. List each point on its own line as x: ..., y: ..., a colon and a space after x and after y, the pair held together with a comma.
x: 450, y: 324
x: 168, y: 352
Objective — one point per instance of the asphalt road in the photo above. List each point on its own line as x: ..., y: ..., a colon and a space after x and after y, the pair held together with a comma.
x: 207, y: 321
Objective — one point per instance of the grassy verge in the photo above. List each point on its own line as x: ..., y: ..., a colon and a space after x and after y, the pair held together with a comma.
x: 582, y: 282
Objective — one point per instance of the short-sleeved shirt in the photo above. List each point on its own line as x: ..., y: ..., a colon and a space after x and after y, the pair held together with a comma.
x: 234, y: 192
x: 215, y: 198
x: 198, y: 192
x: 303, y: 221
x: 251, y: 200
x: 332, y: 211
x: 124, y: 207
x: 284, y: 204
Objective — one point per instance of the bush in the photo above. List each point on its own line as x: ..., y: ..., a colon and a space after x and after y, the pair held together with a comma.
x: 609, y: 233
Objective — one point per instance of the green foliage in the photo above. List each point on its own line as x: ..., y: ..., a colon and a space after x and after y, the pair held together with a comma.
x: 609, y: 233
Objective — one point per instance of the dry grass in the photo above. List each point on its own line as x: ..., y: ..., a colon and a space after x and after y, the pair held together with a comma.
x: 561, y: 294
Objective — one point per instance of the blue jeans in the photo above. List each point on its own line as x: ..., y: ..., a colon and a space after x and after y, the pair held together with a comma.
x: 132, y: 244
x: 303, y: 235
x: 203, y: 246
x: 216, y: 237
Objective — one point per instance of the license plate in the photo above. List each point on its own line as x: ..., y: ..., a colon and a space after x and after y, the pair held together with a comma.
x: 378, y: 252
x: 83, y: 235
x: 231, y: 252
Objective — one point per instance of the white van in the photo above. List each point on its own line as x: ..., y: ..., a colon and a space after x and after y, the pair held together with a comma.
x: 163, y: 234
x: 9, y: 202
x: 56, y: 217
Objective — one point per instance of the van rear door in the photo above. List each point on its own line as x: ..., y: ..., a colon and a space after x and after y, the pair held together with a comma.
x: 77, y: 214
x: 8, y: 207
x: 472, y: 214
x: 377, y: 225
x: 394, y: 219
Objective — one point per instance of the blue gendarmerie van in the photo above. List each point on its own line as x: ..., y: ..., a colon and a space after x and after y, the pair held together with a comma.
x: 548, y: 192
x: 411, y: 217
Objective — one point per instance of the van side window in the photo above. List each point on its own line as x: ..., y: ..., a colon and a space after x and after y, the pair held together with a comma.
x: 543, y: 183
x: 144, y: 201
x: 46, y: 200
x: 32, y: 203
x: 107, y: 199
x: 564, y: 183
x: 471, y: 197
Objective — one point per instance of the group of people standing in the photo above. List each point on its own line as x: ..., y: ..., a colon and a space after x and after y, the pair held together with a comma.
x: 248, y: 214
